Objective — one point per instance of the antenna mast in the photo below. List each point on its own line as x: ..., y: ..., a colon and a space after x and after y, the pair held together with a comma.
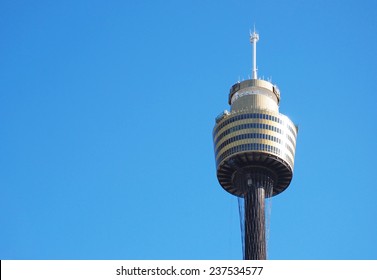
x: 254, y: 37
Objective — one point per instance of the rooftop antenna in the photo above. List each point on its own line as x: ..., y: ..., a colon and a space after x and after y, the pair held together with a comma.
x: 254, y: 37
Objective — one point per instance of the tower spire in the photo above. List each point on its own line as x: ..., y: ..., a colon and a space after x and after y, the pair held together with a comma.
x: 254, y: 37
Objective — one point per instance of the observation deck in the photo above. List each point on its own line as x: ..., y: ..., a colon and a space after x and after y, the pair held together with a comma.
x: 254, y: 135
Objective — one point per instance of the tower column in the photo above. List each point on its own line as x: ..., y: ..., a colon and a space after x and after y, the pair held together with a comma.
x: 256, y: 184
x: 255, y: 229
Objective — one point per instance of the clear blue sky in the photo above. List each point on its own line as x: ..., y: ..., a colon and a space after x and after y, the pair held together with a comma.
x: 106, y: 116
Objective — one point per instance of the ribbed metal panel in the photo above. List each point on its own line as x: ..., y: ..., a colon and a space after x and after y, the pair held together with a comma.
x: 255, y: 83
x: 255, y: 101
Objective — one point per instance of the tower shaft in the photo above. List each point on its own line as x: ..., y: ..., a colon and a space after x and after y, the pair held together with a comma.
x: 256, y: 183
x: 255, y: 230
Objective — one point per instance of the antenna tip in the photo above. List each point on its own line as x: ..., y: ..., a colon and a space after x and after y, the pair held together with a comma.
x: 254, y: 37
